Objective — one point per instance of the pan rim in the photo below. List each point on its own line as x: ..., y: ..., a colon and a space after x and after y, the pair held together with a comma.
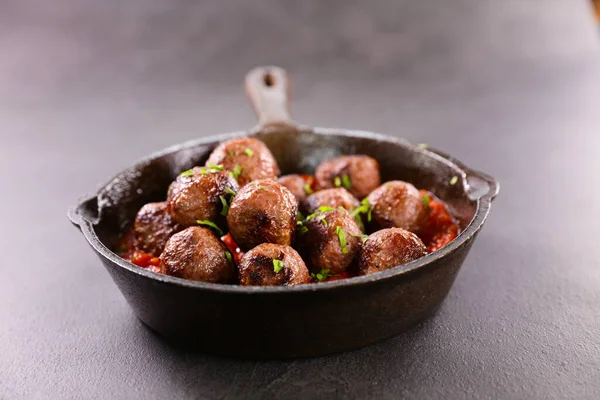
x: 482, y: 211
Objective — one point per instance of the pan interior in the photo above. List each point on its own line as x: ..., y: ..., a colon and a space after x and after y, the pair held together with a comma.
x: 296, y: 152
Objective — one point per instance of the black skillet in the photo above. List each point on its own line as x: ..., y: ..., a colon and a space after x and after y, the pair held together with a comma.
x: 282, y: 322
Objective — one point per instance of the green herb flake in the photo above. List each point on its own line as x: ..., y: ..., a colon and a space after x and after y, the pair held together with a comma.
x: 249, y: 152
x: 363, y: 237
x: 301, y: 216
x: 203, y: 171
x: 422, y: 146
x: 308, y: 189
x: 230, y: 191
x: 323, y: 209
x: 346, y: 182
x: 337, y: 181
x: 323, y: 220
x: 229, y: 256
x: 364, y: 208
x: 303, y: 230
x: 231, y: 154
x: 237, y: 170
x: 277, y: 265
x: 426, y: 201
x: 211, y: 225
x: 321, y: 275
x: 342, y: 237
x: 261, y: 187
x: 217, y: 167
x: 187, y: 173
x: 454, y: 180
x: 225, y: 209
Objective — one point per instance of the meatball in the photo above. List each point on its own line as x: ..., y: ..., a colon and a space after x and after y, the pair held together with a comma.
x: 389, y: 248
x: 335, y: 198
x: 197, y: 254
x: 330, y: 240
x: 153, y: 226
x: 359, y: 174
x: 299, y: 185
x: 263, y: 212
x: 271, y: 265
x: 199, y: 194
x: 247, y: 159
x: 398, y: 204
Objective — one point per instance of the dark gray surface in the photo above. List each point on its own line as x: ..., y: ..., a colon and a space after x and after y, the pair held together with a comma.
x: 509, y: 87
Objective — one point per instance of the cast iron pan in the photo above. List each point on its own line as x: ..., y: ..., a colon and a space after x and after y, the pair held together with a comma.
x: 299, y: 321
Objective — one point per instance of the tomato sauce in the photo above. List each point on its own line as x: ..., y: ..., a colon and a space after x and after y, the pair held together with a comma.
x: 311, y: 181
x: 440, y: 228
x: 233, y: 248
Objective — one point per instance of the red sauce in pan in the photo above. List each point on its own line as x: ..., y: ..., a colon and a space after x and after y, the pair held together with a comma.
x: 440, y: 228
x: 233, y: 248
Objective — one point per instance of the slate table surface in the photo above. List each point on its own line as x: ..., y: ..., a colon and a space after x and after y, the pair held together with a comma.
x: 511, y: 88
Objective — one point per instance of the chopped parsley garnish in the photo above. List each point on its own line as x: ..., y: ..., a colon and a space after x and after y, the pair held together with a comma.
x: 261, y: 187
x: 217, y: 167
x: 422, y: 146
x: 364, y: 208
x: 346, y: 182
x: 323, y: 220
x: 303, y: 230
x: 225, y: 209
x: 230, y: 191
x: 362, y: 237
x: 249, y: 152
x: 187, y: 173
x: 322, y: 275
x: 212, y: 169
x: 301, y: 216
x: 229, y: 256
x: 307, y: 188
x: 337, y: 181
x: 323, y: 209
x: 454, y: 180
x: 426, y: 201
x: 342, y: 237
x: 237, y: 170
x: 277, y: 265
x: 211, y: 225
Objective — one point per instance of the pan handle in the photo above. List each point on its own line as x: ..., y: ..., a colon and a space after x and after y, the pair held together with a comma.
x: 479, y: 185
x: 268, y: 89
x: 85, y: 210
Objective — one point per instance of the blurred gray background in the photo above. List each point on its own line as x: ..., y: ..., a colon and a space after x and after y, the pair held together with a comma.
x: 509, y: 87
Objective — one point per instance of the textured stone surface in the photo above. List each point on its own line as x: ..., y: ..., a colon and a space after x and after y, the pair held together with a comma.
x: 511, y: 88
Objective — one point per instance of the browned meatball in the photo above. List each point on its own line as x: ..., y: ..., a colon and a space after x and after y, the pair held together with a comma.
x: 197, y: 254
x: 389, y: 248
x: 262, y: 212
x: 334, y: 198
x: 398, y: 204
x: 330, y: 240
x: 359, y: 174
x: 153, y: 226
x: 272, y: 264
x: 247, y: 158
x: 299, y: 185
x: 198, y: 194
